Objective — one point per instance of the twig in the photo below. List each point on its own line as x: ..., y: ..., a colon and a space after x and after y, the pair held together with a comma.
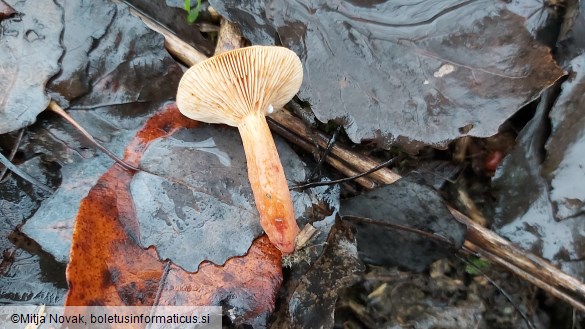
x: 359, y: 162
x: 502, y: 291
x: 432, y: 236
x: 376, y: 168
x: 228, y: 38
x: 535, y: 269
x: 558, y: 293
x: 160, y: 290
x: 161, y: 283
x: 23, y: 174
x: 330, y: 144
x: 12, y: 153
x: 53, y: 106
x: 311, y: 148
x: 340, y: 166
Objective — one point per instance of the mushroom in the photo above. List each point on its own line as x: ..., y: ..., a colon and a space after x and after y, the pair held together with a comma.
x: 239, y: 88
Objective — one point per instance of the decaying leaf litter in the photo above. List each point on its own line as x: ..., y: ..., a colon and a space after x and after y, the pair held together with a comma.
x: 109, y: 123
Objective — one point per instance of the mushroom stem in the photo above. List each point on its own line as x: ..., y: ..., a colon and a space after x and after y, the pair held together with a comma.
x: 268, y: 182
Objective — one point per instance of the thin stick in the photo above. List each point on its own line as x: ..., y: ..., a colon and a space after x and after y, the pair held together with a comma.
x: 502, y: 291
x: 162, y: 282
x: 376, y: 168
x: 228, y: 38
x: 397, y: 227
x: 23, y: 174
x: 359, y: 162
x: 558, y: 293
x: 12, y: 153
x: 330, y: 144
x: 340, y: 166
x: 311, y: 148
x: 488, y: 241
x: 53, y: 106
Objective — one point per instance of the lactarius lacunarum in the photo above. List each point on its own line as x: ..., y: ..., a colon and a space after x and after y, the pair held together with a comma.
x: 239, y: 88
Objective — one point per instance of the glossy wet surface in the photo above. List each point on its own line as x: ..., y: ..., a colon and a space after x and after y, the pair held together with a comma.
x: 426, y: 71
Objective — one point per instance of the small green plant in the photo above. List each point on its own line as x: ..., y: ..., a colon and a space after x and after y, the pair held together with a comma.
x: 192, y: 13
x: 476, y: 265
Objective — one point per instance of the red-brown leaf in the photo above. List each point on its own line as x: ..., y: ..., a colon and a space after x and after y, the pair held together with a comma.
x: 108, y: 267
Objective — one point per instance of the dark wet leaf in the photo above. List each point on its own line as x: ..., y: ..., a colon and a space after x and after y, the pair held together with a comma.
x: 29, y: 276
x: 542, y: 18
x: 199, y: 205
x: 29, y: 52
x: 20, y: 199
x: 26, y: 274
x: 171, y: 13
x: 86, y: 22
x: 309, y: 300
x: 541, y: 198
x: 409, y: 204
x: 427, y: 71
x: 112, y: 58
x: 564, y: 166
x: 571, y: 42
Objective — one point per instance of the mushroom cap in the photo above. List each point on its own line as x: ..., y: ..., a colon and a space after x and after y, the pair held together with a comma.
x: 227, y: 87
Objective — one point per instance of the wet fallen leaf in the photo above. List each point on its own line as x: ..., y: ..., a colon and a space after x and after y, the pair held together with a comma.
x: 195, y: 202
x: 309, y: 299
x: 86, y: 23
x: 426, y: 71
x: 102, y: 53
x: 542, y: 18
x: 410, y: 204
x: 564, y: 164
x: 570, y: 41
x: 541, y: 195
x: 27, y: 275
x: 245, y: 286
x: 112, y: 58
x: 122, y: 273
x: 29, y: 54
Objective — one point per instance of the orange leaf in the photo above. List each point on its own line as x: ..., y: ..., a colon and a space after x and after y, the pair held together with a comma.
x: 108, y: 267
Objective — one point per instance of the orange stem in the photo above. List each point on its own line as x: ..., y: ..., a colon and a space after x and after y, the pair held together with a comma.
x: 268, y: 182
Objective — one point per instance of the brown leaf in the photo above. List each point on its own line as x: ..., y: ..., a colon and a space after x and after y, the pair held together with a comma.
x: 5, y: 10
x: 308, y: 300
x: 99, y: 272
x: 108, y: 267
x: 245, y: 286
